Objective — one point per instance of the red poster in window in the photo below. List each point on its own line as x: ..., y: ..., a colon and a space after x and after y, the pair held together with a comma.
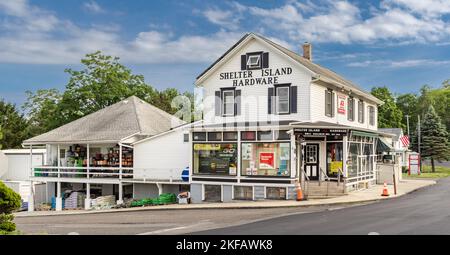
x: 341, y: 104
x: 266, y: 160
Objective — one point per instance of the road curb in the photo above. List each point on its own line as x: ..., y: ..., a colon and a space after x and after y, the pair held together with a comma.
x: 156, y: 208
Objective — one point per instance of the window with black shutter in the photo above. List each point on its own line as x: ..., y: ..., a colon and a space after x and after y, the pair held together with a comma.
x: 360, y: 111
x: 371, y: 115
x: 351, y: 109
x: 329, y: 103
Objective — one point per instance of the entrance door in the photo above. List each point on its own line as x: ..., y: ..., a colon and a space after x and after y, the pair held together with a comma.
x: 311, y: 160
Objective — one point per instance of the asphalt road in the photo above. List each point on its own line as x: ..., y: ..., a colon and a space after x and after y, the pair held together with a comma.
x: 152, y: 222
x: 425, y: 211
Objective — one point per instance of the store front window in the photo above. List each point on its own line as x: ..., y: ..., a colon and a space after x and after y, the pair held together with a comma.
x: 334, y: 159
x: 215, y: 159
x: 265, y: 159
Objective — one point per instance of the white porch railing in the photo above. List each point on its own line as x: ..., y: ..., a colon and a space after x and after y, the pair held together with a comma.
x: 128, y: 173
x: 82, y: 172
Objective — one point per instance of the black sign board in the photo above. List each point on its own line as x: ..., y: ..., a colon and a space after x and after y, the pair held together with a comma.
x: 320, y: 131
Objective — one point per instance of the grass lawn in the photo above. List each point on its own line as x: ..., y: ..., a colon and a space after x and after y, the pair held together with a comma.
x: 441, y: 172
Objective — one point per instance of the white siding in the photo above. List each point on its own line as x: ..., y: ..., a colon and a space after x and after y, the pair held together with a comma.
x: 318, y: 109
x: 19, y: 166
x: 163, y: 157
x: 254, y: 106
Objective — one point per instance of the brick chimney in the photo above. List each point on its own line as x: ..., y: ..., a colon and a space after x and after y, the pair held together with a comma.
x: 307, y: 51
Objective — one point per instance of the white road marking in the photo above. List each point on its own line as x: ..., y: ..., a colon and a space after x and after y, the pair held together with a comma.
x: 373, y: 234
x: 156, y: 232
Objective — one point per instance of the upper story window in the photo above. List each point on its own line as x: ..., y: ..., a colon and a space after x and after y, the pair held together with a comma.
x: 360, y: 111
x: 228, y: 102
x: 351, y: 109
x: 282, y: 99
x: 254, y: 61
x: 371, y: 115
x: 329, y: 103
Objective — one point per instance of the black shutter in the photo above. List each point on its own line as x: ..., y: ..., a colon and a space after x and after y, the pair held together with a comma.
x: 333, y: 104
x: 265, y: 60
x: 243, y: 62
x: 237, y: 102
x: 293, y: 99
x: 326, y: 102
x: 218, y: 103
x: 269, y: 100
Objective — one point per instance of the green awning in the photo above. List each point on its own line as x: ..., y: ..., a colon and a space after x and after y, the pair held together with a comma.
x: 366, y: 134
x: 383, y: 145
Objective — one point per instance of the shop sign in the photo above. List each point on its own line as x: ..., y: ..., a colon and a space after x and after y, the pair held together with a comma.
x: 206, y: 147
x: 341, y: 103
x: 335, y: 166
x: 266, y: 160
x: 320, y: 131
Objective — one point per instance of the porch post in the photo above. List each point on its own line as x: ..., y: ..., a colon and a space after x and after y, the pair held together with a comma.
x: 87, y: 201
x: 58, y: 206
x: 120, y: 201
x: 88, y: 165
x: 120, y: 161
x: 31, y: 196
x: 345, y: 155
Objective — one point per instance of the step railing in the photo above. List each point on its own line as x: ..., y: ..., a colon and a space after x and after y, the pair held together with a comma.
x: 328, y: 180
x: 307, y: 180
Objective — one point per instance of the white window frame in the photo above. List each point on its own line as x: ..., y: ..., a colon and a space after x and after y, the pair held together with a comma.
x: 371, y: 111
x: 361, y: 118
x: 277, y: 99
x: 224, y: 102
x: 254, y: 65
x: 329, y: 94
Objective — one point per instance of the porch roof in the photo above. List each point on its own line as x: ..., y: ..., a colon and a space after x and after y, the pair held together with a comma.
x: 125, y: 119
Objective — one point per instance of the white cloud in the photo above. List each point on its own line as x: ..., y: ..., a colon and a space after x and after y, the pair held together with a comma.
x: 400, y: 21
x: 222, y: 18
x: 400, y: 63
x: 93, y: 7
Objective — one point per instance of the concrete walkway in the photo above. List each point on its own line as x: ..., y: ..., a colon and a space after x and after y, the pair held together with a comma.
x: 367, y: 195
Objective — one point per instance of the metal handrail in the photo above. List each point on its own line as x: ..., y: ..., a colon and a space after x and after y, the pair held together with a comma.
x: 307, y: 180
x: 326, y: 178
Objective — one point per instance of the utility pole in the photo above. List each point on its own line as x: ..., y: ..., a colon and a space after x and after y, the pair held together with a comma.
x: 407, y: 124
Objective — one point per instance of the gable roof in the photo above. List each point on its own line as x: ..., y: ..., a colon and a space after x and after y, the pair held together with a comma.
x: 321, y: 72
x: 398, y: 132
x: 112, y: 124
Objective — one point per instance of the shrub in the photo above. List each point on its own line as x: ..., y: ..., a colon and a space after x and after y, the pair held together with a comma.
x: 9, y: 200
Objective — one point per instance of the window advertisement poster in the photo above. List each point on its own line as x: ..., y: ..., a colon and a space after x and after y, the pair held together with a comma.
x: 341, y: 103
x: 266, y: 160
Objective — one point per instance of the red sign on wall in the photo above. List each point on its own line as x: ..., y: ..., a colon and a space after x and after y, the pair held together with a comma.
x: 341, y: 104
x: 266, y: 160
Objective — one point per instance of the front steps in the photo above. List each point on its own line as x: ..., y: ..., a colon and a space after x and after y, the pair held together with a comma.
x: 313, y: 190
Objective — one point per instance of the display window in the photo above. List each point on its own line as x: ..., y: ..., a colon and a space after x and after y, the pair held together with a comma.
x: 265, y: 159
x: 282, y: 135
x: 199, y: 136
x: 265, y: 135
x: 334, y: 158
x: 215, y: 158
x: 215, y: 136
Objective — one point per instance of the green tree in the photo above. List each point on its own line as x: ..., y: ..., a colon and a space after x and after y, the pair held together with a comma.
x: 434, y: 143
x: 13, y: 125
x: 389, y: 115
x: 9, y: 202
x: 42, y: 107
x: 103, y: 82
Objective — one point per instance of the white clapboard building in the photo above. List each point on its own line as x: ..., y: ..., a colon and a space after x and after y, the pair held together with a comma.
x: 271, y: 117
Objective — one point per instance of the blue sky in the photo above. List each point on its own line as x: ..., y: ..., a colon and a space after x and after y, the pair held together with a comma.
x: 402, y: 44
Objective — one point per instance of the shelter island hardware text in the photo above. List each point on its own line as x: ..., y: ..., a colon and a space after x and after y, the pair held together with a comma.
x: 250, y: 77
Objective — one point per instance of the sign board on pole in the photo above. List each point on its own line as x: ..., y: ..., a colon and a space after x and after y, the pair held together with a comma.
x: 414, y: 164
x: 341, y: 104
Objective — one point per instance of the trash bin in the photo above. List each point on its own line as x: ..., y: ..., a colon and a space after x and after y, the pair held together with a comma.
x: 184, y: 198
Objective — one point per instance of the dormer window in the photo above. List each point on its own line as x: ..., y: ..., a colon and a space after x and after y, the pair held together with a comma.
x: 254, y: 61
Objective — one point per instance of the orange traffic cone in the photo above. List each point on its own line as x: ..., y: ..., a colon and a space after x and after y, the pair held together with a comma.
x: 385, y: 190
x: 299, y: 192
